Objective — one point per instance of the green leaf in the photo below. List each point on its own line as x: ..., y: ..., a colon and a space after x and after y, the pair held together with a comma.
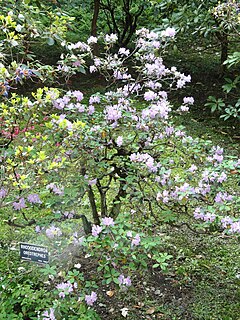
x: 50, y: 41
x: 109, y: 280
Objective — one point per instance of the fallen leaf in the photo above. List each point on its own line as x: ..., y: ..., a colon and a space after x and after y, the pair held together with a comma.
x: 139, y: 306
x: 150, y: 310
x: 124, y: 312
x: 233, y: 171
x: 110, y: 293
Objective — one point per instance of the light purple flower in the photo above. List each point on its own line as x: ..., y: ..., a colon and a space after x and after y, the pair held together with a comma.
x: 90, y: 299
x: 136, y: 240
x: 94, y: 99
x: 92, y: 182
x: 193, y: 168
x: 55, y: 189
x: 150, y: 95
x: 78, y: 95
x: 209, y: 217
x: 69, y: 214
x: 3, y: 193
x: 119, y: 141
x: 19, y: 205
x: 66, y: 288
x: 113, y: 113
x: 80, y: 107
x: 77, y: 63
x: 91, y: 109
x: 183, y: 108
x: 221, y: 197
x: 226, y: 221
x: 198, y: 214
x: 92, y: 40
x: 49, y: 315
x: 34, y: 198
x: 112, y: 38
x: 169, y: 32
x: 92, y: 69
x: 53, y: 232
x: 188, y: 100
x: 218, y: 157
x: 108, y: 221
x: 222, y: 177
x: 124, y: 281
x: 96, y: 230
x: 123, y: 51
x: 235, y: 227
x: 38, y: 229
x: 169, y: 130
x: 129, y: 234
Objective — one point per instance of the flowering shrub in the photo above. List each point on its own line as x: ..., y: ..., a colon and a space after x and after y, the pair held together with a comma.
x: 119, y: 142
x: 117, y: 151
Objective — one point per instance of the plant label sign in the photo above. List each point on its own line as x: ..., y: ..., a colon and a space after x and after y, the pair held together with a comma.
x: 35, y: 253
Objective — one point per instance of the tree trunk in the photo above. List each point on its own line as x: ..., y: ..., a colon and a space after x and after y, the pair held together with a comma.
x: 224, y: 52
x: 93, y: 206
x: 223, y: 38
x: 94, y: 24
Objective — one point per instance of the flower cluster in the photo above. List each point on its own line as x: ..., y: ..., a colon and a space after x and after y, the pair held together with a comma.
x: 227, y: 223
x: 55, y: 189
x: 124, y: 281
x: 21, y: 204
x: 66, y: 288
x: 48, y: 315
x: 90, y: 299
x: 53, y: 232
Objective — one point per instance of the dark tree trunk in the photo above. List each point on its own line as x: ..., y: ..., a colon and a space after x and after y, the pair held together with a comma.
x: 93, y: 206
x: 223, y: 38
x: 94, y: 24
x: 224, y: 48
